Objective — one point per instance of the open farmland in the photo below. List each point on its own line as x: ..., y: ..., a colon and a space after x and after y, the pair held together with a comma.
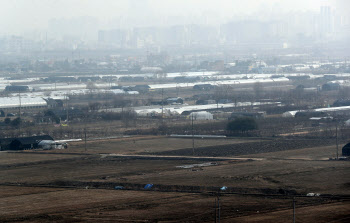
x: 8, y: 158
x: 175, y: 111
x: 150, y: 144
x: 72, y: 205
x: 74, y: 185
x: 261, y: 146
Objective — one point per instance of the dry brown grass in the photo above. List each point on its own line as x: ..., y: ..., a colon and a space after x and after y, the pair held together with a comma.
x: 147, y: 206
x: 149, y: 144
x: 302, y: 170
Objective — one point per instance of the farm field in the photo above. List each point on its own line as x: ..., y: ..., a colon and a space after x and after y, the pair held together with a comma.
x: 150, y: 144
x: 77, y: 186
x: 85, y: 205
x: 13, y: 158
x: 144, y: 144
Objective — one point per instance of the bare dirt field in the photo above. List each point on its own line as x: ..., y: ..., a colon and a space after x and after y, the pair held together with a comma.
x: 312, y: 153
x: 148, y: 144
x: 8, y: 158
x: 243, y: 148
x: 77, y: 186
x: 93, y: 205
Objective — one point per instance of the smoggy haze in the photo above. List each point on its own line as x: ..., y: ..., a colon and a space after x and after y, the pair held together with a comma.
x: 22, y: 16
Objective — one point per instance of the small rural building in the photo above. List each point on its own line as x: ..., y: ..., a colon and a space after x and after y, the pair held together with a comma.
x: 185, y: 79
x: 23, y: 143
x: 16, y: 88
x: 50, y: 144
x: 73, y: 113
x: 88, y: 79
x: 329, y: 77
x: 311, y: 90
x: 309, y: 114
x: 4, y: 143
x: 141, y: 88
x: 319, y: 112
x: 53, y: 103
x: 131, y: 79
x: 54, y: 79
x: 346, y: 150
x: 177, y: 100
x: 202, y: 115
x: 203, y: 87
x: 299, y: 78
x: 224, y: 101
x: 117, y: 87
x: 23, y: 102
x: 341, y: 102
x: 235, y: 115
x: 347, y: 123
x: 289, y: 114
x: 208, y: 102
x: 330, y: 86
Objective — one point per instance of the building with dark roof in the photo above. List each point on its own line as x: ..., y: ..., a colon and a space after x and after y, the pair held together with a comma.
x: 177, y: 100
x: 22, y: 143
x: 341, y: 102
x: 203, y: 87
x: 330, y: 87
x: 346, y: 150
x: 16, y: 88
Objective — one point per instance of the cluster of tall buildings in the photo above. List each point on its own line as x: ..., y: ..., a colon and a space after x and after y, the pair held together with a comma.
x: 18, y: 44
x: 180, y: 35
x: 294, y: 29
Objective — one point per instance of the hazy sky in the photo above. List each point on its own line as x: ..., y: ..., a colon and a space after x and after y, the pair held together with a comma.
x: 18, y: 16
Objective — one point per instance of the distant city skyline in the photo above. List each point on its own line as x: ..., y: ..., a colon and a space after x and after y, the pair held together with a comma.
x: 22, y: 16
x: 154, y: 24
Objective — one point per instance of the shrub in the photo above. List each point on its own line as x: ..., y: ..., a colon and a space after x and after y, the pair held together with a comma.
x: 16, y: 122
x: 242, y: 125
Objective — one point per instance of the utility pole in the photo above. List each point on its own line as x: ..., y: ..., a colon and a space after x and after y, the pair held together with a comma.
x: 192, y: 135
x: 85, y: 138
x: 217, y: 208
x: 293, y: 209
x: 336, y: 137
x: 162, y: 102
x: 19, y: 113
x: 215, y: 211
x: 20, y: 104
x: 67, y: 107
